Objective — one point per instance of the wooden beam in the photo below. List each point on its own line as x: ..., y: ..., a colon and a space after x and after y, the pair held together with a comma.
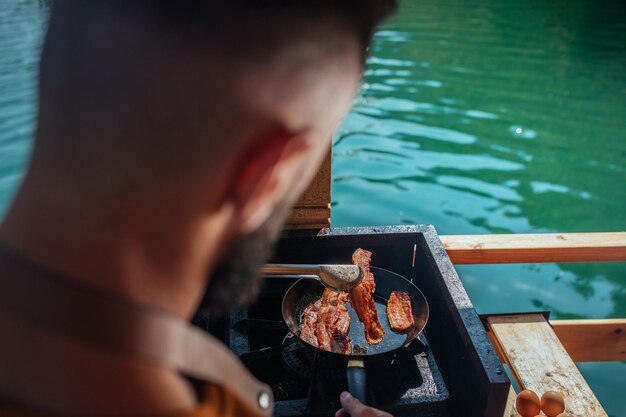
x: 539, y: 362
x: 592, y: 340
x: 311, y: 217
x: 312, y: 210
x: 534, y: 248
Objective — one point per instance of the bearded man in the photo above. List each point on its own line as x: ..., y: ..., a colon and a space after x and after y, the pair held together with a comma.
x: 172, y: 139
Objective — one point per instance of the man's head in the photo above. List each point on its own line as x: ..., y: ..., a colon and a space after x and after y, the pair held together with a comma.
x: 215, y: 113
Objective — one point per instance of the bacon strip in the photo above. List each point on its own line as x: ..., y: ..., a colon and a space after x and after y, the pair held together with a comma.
x: 309, y: 321
x: 362, y: 299
x: 334, y: 298
x: 326, y: 323
x: 399, y: 311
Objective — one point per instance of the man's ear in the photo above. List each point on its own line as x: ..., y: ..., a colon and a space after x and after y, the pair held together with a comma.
x: 265, y: 173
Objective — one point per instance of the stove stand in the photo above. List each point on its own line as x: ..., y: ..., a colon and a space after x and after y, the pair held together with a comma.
x: 308, y: 383
x: 430, y: 378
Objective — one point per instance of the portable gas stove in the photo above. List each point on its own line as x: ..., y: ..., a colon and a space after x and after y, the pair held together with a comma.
x: 451, y: 369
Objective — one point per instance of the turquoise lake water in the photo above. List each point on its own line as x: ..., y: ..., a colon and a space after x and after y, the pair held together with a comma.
x: 481, y: 117
x: 499, y: 117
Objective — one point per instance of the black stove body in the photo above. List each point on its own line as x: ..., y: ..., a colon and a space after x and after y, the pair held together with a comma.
x: 450, y: 370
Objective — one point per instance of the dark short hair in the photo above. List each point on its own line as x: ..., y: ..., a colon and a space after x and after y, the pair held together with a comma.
x: 199, y: 18
x: 177, y: 69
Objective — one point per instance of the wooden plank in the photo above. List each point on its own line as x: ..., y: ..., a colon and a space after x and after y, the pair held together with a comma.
x: 589, y: 340
x: 311, y: 217
x: 312, y: 210
x: 592, y: 340
x: 534, y: 248
x: 539, y: 362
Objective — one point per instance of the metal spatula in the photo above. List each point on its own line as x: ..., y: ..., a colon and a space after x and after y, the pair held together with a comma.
x: 334, y: 277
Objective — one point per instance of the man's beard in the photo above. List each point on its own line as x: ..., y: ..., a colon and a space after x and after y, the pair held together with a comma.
x: 236, y: 280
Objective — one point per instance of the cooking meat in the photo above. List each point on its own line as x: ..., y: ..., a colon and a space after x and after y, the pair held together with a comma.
x: 399, y: 311
x: 334, y: 298
x: 326, y: 322
x: 362, y: 299
x: 333, y: 323
x: 309, y: 321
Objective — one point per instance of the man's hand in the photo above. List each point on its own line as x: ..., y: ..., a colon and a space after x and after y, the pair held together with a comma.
x: 353, y: 407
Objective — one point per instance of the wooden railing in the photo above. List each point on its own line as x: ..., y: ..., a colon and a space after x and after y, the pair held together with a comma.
x: 536, y: 248
x: 312, y: 210
x: 584, y: 340
x: 592, y: 340
x: 541, y: 354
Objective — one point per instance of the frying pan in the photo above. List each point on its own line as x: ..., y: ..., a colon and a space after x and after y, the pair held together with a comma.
x: 304, y: 292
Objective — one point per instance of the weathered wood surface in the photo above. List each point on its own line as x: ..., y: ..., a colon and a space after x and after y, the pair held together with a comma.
x: 539, y: 362
x: 535, y: 248
x: 312, y: 211
x: 308, y: 217
x: 592, y: 340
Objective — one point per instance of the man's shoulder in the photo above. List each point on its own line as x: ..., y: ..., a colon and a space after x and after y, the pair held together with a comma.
x: 215, y: 402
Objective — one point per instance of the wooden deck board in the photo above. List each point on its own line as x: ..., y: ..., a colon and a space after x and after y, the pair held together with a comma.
x: 539, y: 362
x: 589, y: 340
x: 535, y: 248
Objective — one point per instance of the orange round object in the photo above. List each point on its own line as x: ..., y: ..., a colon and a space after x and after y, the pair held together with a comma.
x: 565, y: 415
x: 527, y: 403
x: 552, y: 403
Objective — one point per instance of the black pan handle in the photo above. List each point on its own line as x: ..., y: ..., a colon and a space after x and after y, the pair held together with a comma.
x: 357, y: 379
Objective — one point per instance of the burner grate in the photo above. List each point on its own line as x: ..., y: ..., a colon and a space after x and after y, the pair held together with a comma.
x: 311, y: 382
x: 306, y: 365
